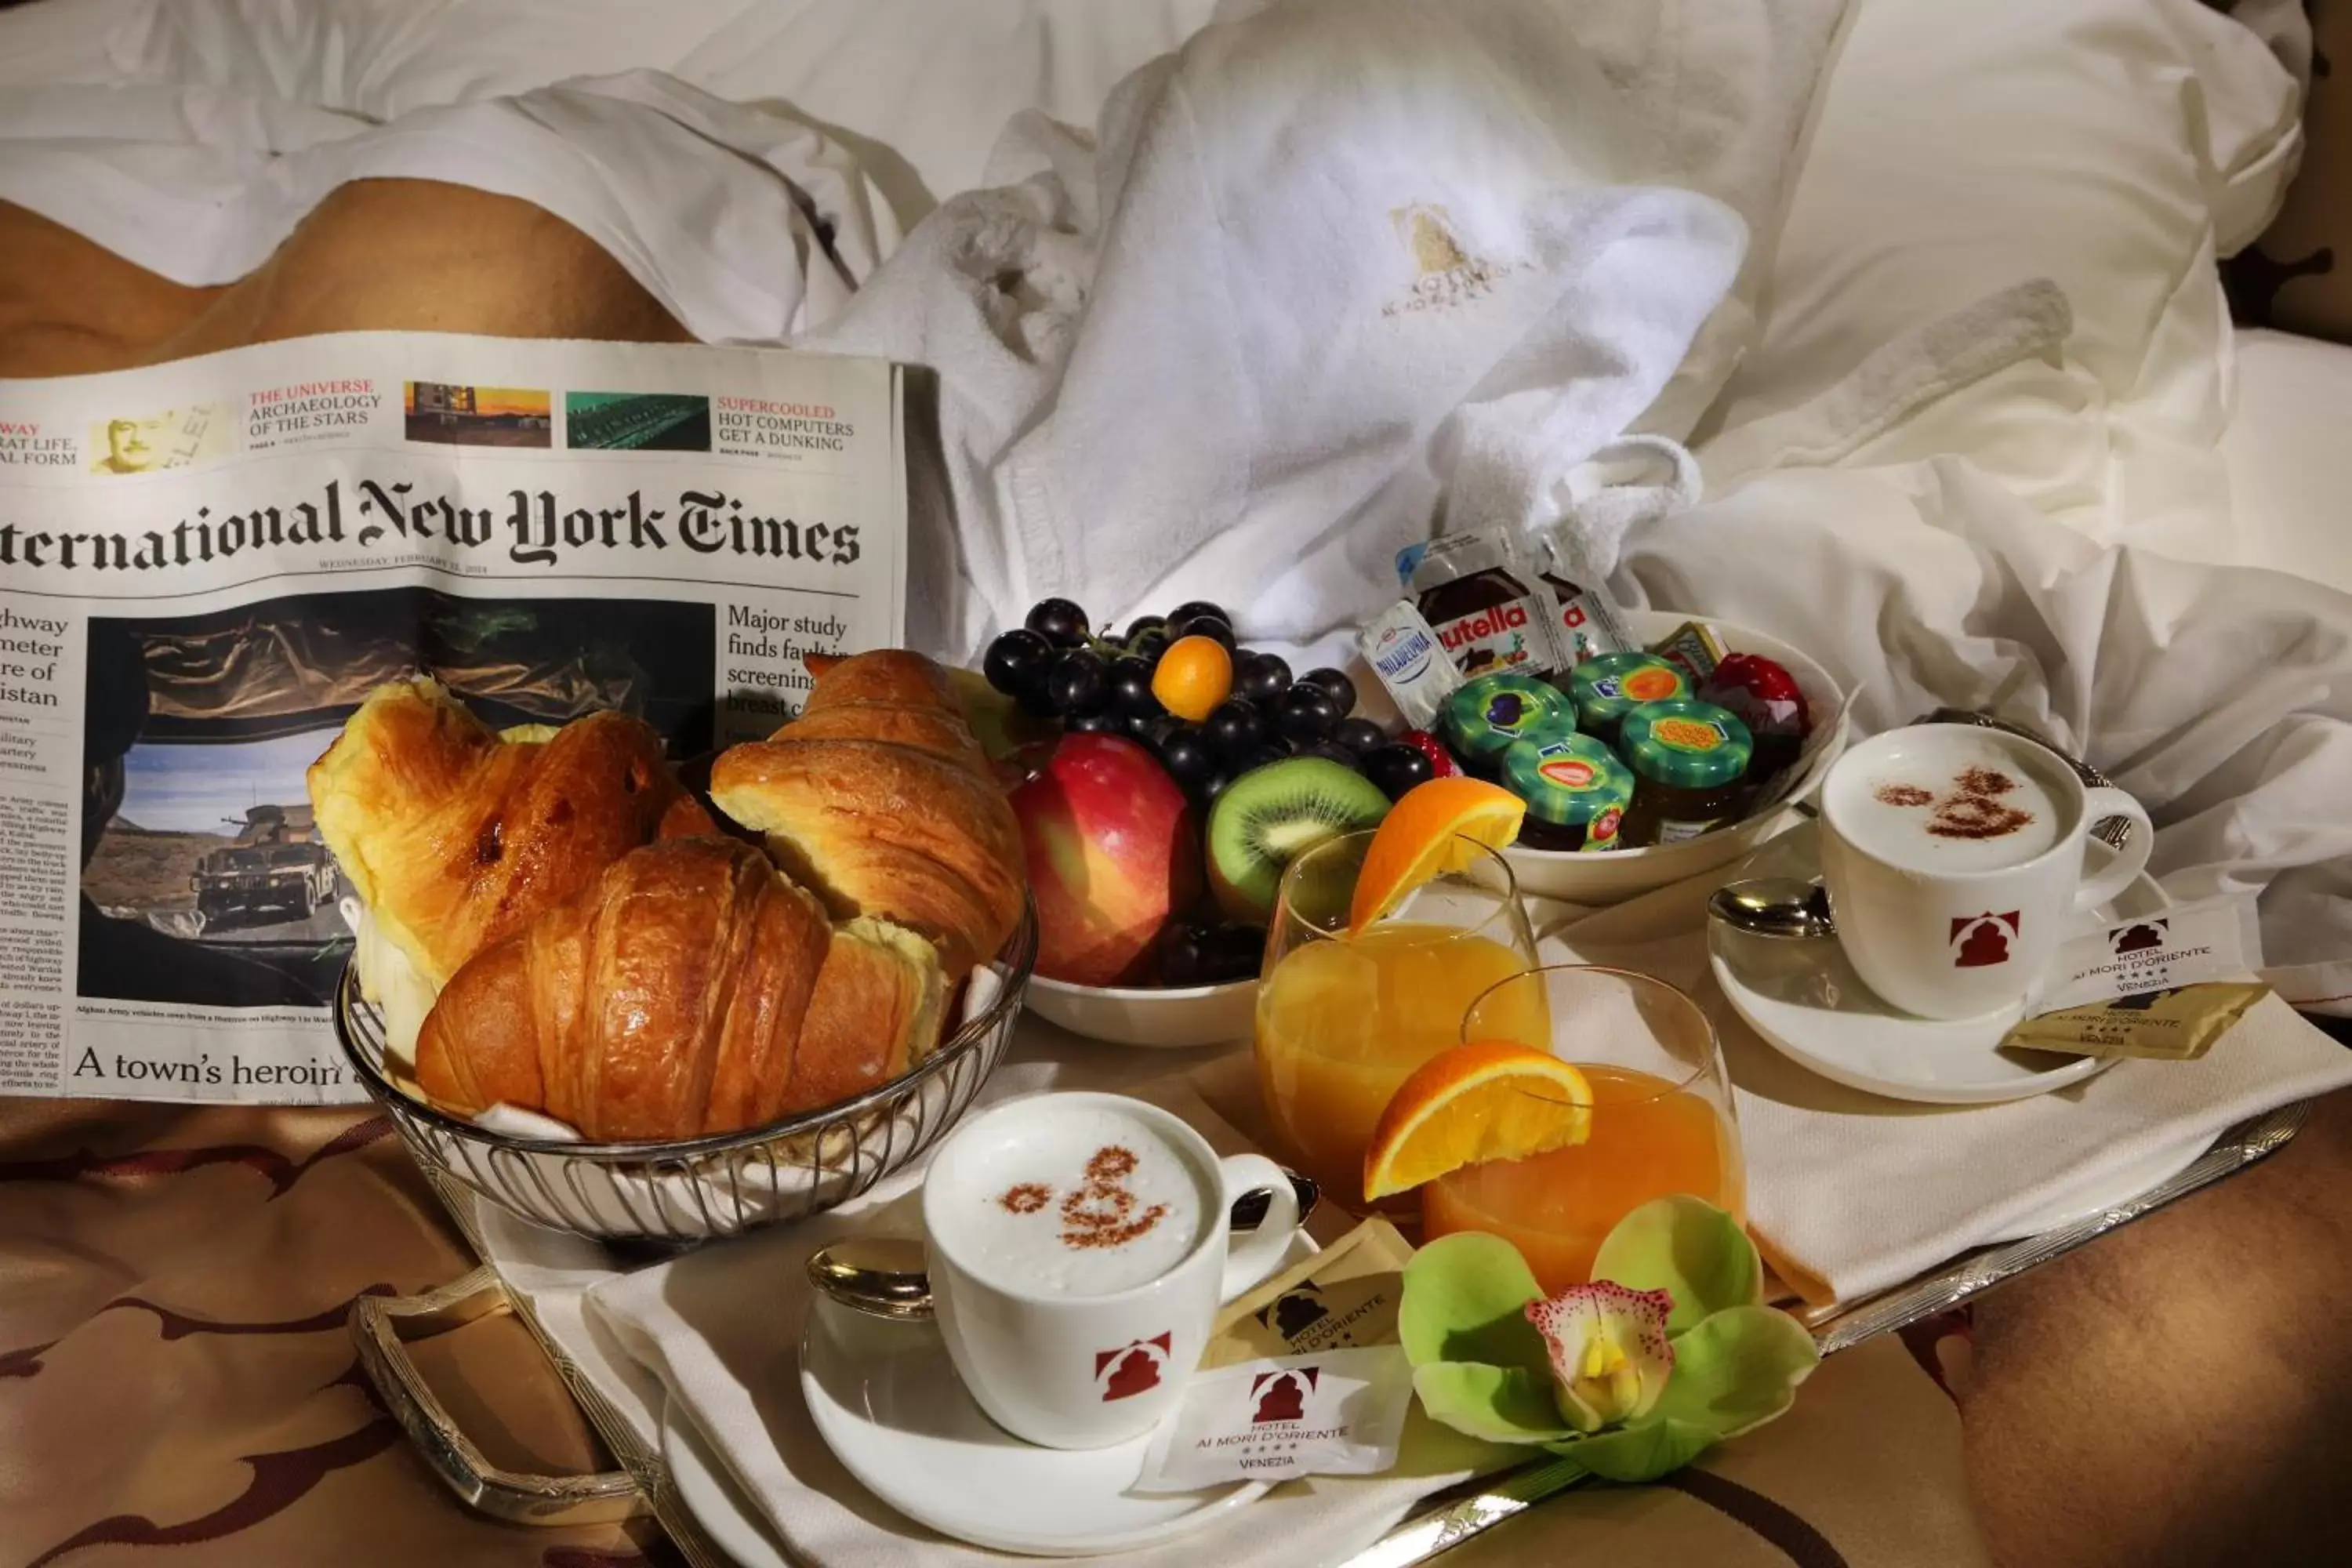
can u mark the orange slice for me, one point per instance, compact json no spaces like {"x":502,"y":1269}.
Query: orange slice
{"x":1495,"y":1099}
{"x":1420,"y":837}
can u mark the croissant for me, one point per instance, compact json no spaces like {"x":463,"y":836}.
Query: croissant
{"x":879,"y":800}
{"x":454,"y":837}
{"x":689,"y":989}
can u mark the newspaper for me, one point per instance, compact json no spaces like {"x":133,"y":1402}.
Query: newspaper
{"x":206,"y":565}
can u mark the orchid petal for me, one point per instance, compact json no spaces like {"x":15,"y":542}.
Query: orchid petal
{"x":1610,"y":1355}
{"x":1688,"y":1249}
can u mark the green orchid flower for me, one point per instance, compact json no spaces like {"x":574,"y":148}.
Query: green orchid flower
{"x":1668,"y":1352}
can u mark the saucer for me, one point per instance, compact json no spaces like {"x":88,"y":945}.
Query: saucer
{"x":887,"y":1401}
{"x":1804,"y":999}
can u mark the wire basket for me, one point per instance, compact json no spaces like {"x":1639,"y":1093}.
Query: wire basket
{"x":700,"y":1188}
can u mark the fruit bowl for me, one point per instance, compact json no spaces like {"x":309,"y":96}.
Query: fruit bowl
{"x":1160,"y":1017}
{"x":1621,"y":874}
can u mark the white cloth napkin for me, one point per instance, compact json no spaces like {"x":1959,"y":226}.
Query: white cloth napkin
{"x":1850,"y":1192}
{"x":720,"y":1328}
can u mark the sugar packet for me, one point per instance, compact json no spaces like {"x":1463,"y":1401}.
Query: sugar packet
{"x":1302,"y":1376}
{"x":2162,"y":986}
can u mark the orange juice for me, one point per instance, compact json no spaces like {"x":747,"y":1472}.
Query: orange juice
{"x":1342,"y":1023}
{"x":1649,"y":1140}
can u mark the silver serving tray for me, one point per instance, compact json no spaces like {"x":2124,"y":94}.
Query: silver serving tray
{"x":1450,"y":1516}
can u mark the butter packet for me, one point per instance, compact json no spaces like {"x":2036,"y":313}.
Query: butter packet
{"x":2162,"y":986}
{"x":1695,"y":648}
{"x":1303,"y":1377}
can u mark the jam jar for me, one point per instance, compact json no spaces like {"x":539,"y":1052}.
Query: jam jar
{"x":1486,"y":715}
{"x":1690,"y":770}
{"x":1576,"y":791}
{"x":1608,"y":686}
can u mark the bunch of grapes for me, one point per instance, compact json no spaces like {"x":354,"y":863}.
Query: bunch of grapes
{"x":1251,"y":711}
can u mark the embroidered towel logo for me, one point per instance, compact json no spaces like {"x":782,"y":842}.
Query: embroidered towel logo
{"x":1444,"y":274}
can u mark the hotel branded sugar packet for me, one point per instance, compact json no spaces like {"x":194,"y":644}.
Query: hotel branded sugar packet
{"x":1303,"y":1377}
{"x":2163,"y":987}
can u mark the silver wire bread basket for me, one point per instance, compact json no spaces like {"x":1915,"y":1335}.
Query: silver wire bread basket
{"x":701,"y":1188}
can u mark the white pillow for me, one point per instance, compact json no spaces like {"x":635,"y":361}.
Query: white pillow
{"x":2112,"y":146}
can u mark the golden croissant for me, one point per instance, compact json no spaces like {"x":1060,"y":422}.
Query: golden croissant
{"x":690,"y":989}
{"x":879,"y":800}
{"x":454,"y":837}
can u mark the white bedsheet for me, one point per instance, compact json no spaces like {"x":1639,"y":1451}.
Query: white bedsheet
{"x":2290,"y":466}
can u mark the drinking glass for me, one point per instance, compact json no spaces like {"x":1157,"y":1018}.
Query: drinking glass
{"x":1661,"y":1119}
{"x":1342,"y":1021}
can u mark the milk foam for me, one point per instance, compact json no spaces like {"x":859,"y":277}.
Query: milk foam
{"x":1948,"y":804}
{"x":1078,"y":1202}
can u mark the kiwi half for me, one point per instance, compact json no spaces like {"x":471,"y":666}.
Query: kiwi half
{"x":1271,"y":813}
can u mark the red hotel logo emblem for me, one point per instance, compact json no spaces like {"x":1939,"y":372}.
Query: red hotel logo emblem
{"x":1282,"y":1395}
{"x":1979,"y":941}
{"x":1132,"y":1369}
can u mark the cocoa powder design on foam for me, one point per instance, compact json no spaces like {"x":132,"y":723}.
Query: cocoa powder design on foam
{"x":1973,"y":810}
{"x":1100,"y":1212}
{"x":1026,"y":1197}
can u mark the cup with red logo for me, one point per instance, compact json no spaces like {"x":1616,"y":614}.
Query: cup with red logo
{"x":1955,"y":861}
{"x":1079,"y":1246}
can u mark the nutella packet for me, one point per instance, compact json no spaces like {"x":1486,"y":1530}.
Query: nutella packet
{"x":1489,"y":610}
{"x":1303,"y":1377}
{"x":1411,"y":668}
{"x":1695,"y":648}
{"x":1590,"y":624}
{"x":2163,"y":987}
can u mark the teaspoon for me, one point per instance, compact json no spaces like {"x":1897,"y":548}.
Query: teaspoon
{"x":1774,"y":906}
{"x":883,"y":1276}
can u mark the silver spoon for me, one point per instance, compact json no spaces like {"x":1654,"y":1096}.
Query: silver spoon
{"x":1774,"y":906}
{"x":883,"y":1276}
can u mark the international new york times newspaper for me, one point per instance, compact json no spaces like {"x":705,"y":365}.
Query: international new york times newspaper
{"x":206,"y":565}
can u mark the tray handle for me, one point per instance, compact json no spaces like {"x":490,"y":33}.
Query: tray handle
{"x":382,"y":1324}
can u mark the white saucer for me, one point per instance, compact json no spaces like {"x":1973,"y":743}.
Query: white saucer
{"x":888,"y":1404}
{"x":1806,"y":1000}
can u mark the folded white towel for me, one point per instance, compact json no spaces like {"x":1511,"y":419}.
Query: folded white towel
{"x":1328,"y":261}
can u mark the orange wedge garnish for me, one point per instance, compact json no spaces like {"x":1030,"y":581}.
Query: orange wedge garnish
{"x":1495,"y":1099}
{"x":1421,"y":837}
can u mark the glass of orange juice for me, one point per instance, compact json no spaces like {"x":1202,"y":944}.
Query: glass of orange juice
{"x":1662,"y":1118}
{"x":1343,"y":1020}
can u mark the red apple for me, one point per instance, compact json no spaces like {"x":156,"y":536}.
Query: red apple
{"x":1113,"y":851}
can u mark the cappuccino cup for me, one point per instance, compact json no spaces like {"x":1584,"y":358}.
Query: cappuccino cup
{"x":1953,"y":855}
{"x":1079,"y":1246}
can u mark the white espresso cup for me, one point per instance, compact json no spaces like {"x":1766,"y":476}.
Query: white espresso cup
{"x":1953,"y":855}
{"x":1079,"y":1246}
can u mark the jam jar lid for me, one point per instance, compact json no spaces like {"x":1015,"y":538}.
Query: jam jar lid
{"x":1567,"y":780}
{"x":1685,"y":745}
{"x":1490,"y":711}
{"x":1606,"y":685}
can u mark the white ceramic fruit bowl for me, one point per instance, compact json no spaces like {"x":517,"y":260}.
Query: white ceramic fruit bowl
{"x":1617,"y":875}
{"x":1162,"y":1017}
